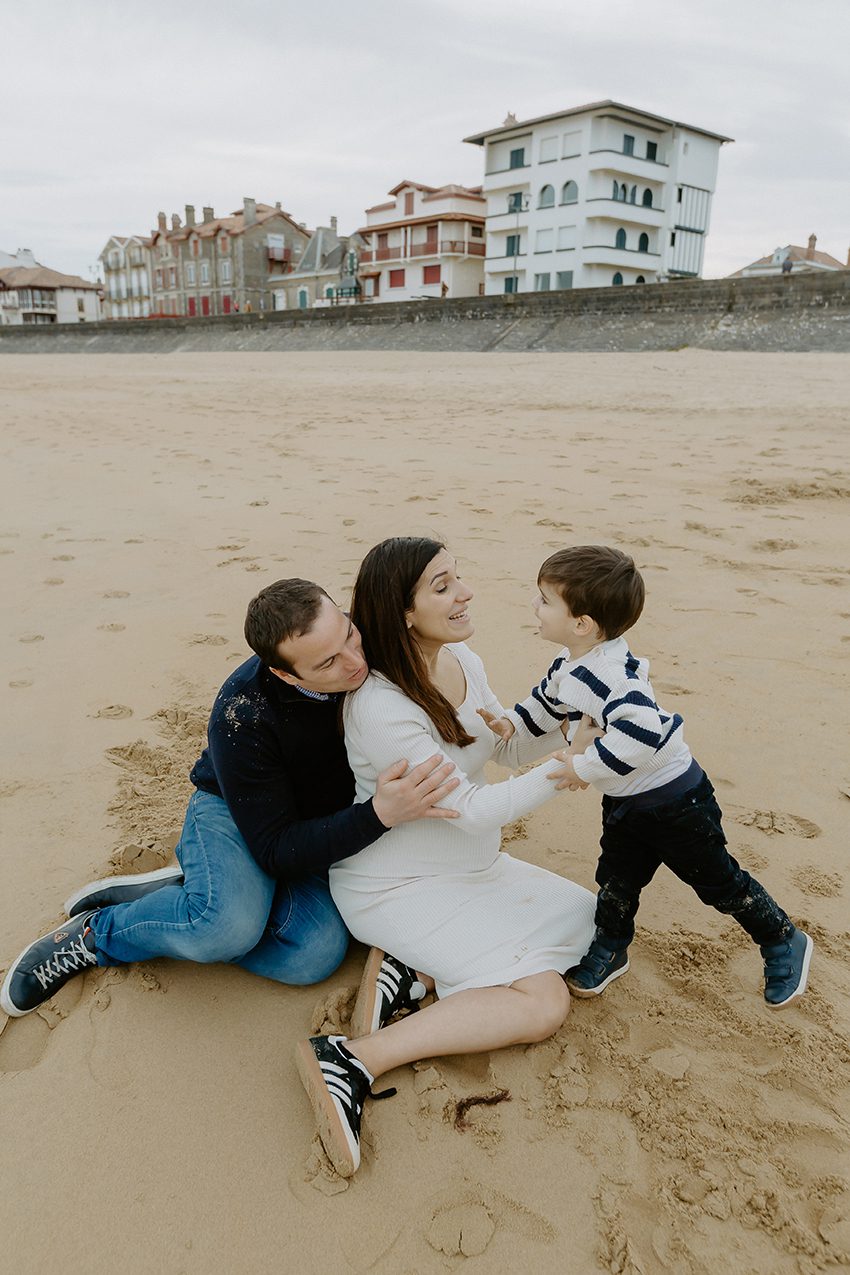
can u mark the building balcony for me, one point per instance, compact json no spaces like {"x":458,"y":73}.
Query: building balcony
{"x":430,"y":248}
{"x":279,"y":254}
{"x":606,"y":209}
{"x":608,"y":255}
{"x":629,"y":165}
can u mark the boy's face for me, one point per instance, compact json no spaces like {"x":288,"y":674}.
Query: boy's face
{"x":557,"y":623}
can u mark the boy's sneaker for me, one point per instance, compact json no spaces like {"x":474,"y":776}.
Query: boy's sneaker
{"x":112,"y":890}
{"x":46,"y":965}
{"x":337,"y":1084}
{"x":786,"y":968}
{"x":387,"y":988}
{"x":599,"y":966}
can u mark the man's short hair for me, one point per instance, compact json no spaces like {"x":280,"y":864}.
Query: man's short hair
{"x":597,"y":581}
{"x":283,"y":610}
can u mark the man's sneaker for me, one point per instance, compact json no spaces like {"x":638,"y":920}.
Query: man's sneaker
{"x":46,"y":965}
{"x":337,"y":1084}
{"x":387,"y":988}
{"x":599,"y":966}
{"x":786,"y":968}
{"x":112,"y":890}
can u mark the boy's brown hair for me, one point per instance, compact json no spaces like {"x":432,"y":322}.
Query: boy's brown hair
{"x":597,"y":581}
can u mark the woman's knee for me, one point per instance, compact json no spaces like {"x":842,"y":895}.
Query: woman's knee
{"x":551,"y":1005}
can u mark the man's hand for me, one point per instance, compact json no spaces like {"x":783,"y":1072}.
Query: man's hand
{"x":566,"y":777}
{"x":500,"y":726}
{"x":404,"y":795}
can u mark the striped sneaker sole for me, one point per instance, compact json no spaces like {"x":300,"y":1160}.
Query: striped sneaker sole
{"x":326,"y":1090}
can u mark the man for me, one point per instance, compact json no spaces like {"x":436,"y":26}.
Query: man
{"x":271,"y":811}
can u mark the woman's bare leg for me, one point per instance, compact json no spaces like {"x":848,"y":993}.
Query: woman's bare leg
{"x":469,"y":1023}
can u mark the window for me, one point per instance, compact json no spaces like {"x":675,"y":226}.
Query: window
{"x":476,"y":232}
{"x":547,"y":197}
{"x":566,"y":237}
{"x":564,"y":279}
{"x":226,"y":272}
{"x":542,"y":282}
{"x":303,"y":299}
{"x":518,"y":158}
{"x":569,"y":193}
{"x":633,"y":195}
{"x":515,"y":199}
{"x":571,"y":145}
{"x":190,"y":273}
{"x":548,"y":149}
{"x":628,"y":147}
{"x":640,"y":279}
{"x":643,"y":243}
{"x":157,"y":278}
{"x":81,"y":305}
{"x":651,"y":150}
{"x":408,"y":203}
{"x":511,"y":283}
{"x":329,"y":292}
{"x":617,"y":280}
{"x":396,"y":278}
{"x":512,"y":246}
{"x":205,"y":272}
{"x":679,"y":195}
{"x":430,"y":274}
{"x":623,"y":193}
{"x":647,"y":198}
{"x":172,"y":277}
{"x":672,"y":239}
{"x":620,"y":238}
{"x":544,"y":241}
{"x":223,"y":244}
{"x":196,"y":247}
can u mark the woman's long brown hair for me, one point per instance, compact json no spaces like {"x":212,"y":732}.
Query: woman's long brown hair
{"x":383,"y":593}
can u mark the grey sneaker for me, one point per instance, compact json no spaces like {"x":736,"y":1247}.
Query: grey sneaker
{"x":786,"y":968}
{"x":111,"y":890}
{"x":46,"y":965}
{"x":599,"y":966}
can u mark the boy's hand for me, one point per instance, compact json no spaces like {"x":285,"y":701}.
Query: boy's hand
{"x":586,"y":734}
{"x":404,"y":795}
{"x":566,"y":777}
{"x":500,"y":726}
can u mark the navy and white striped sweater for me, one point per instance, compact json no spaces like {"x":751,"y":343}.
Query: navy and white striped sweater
{"x":643,"y":747}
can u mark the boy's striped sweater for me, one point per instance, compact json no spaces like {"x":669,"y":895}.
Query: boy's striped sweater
{"x":643,"y":747}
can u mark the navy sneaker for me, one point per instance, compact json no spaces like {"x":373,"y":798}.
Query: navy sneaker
{"x":46,"y":965}
{"x":388,"y":987}
{"x":786,"y":968}
{"x":112,"y":890}
{"x":337,"y":1085}
{"x":599,"y":966}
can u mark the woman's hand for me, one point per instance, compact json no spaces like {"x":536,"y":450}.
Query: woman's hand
{"x":586,"y":734}
{"x":403,"y":795}
{"x":566,"y":777}
{"x":500,"y":726}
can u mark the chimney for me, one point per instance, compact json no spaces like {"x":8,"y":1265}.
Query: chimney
{"x":175,"y":221}
{"x":209,"y":215}
{"x":848,"y":258}
{"x":333,"y":224}
{"x":190,"y":214}
{"x":160,"y":221}
{"x":249,"y":212}
{"x":277,"y":205}
{"x":810,"y":251}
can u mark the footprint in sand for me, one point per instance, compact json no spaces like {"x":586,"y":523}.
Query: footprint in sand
{"x":54,"y":580}
{"x":23,"y":1041}
{"x":63,"y":557}
{"x":774,"y":822}
{"x":114,"y":710}
{"x":32,"y":637}
{"x":207,"y":639}
{"x":115,"y":593}
{"x":111,"y":628}
{"x":465,"y":1217}
{"x":19,"y":682}
{"x":814,"y":881}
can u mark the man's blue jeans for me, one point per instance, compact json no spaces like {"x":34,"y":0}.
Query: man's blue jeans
{"x":227,"y":909}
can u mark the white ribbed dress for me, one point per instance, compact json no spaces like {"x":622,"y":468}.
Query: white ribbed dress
{"x":438,"y":893}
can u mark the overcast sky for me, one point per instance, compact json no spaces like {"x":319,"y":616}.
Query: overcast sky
{"x":111,"y":111}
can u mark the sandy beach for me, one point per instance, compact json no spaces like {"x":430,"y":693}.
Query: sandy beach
{"x":152,"y":1117}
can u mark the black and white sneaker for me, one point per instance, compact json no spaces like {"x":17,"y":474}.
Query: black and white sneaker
{"x":46,"y":965}
{"x":337,"y":1084}
{"x":112,"y":890}
{"x":388,"y":987}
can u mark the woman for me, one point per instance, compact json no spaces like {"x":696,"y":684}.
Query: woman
{"x":490,"y":934}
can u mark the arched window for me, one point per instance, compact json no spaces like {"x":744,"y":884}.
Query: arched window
{"x":616,"y":192}
{"x":547,"y":197}
{"x":617,"y":280}
{"x":623,"y":193}
{"x":302,"y":298}
{"x":569,"y":193}
{"x":640,"y":279}
{"x":620,"y":240}
{"x":633,"y":195}
{"x":643,"y":243}
{"x":329,"y":292}
{"x":647,"y":198}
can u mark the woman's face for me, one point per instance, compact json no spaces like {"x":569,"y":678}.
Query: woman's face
{"x":439,"y":612}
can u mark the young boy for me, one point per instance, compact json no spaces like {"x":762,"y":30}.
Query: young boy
{"x":658,"y":805}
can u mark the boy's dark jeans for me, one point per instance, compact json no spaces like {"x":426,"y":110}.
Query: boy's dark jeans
{"x":686,"y":835}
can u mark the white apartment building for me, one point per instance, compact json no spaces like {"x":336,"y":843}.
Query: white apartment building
{"x":427,"y":242}
{"x":598,"y":195}
{"x":126,"y":263}
{"x":39,"y":295}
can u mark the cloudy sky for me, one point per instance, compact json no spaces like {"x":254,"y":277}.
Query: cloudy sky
{"x":110,"y":112}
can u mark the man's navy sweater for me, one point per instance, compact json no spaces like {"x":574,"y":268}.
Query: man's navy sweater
{"x":277,"y":757}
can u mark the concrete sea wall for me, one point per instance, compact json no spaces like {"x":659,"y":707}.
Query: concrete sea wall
{"x":793,"y":313}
